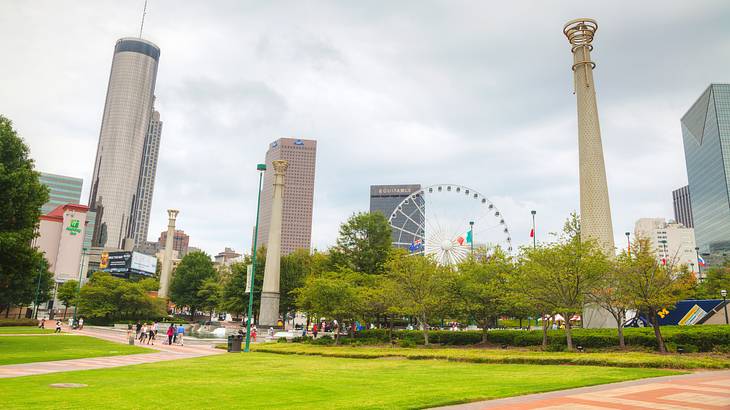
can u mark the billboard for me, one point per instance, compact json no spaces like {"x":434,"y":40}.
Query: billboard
{"x":143,"y":264}
{"x":123,"y":263}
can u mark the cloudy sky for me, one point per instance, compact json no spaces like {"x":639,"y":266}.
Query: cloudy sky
{"x":469,"y":92}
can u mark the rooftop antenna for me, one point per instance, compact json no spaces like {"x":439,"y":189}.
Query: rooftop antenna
{"x":144,"y":13}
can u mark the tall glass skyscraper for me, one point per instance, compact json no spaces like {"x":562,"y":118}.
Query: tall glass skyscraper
{"x":62,"y":190}
{"x":706,"y":135}
{"x":116,"y":182}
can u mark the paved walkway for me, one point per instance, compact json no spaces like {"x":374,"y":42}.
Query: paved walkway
{"x":704,"y":390}
{"x":164,"y":353}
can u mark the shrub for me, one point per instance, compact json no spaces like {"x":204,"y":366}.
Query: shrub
{"x":407,"y":343}
{"x":19,"y":322}
{"x":324,"y":340}
{"x":281,"y":340}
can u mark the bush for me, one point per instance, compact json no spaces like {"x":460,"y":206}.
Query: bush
{"x":324,"y":340}
{"x":19,"y":322}
{"x":407,"y":343}
{"x":281,"y":340}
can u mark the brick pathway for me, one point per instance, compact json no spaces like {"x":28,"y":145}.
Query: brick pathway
{"x":164,"y":353}
{"x":704,"y":390}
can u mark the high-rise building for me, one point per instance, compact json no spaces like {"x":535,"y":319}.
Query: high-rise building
{"x":180,"y":241}
{"x":706,"y":136}
{"x":298,"y":193}
{"x":62,"y":190}
{"x":125,"y":126}
{"x":672,"y":242}
{"x":227,"y":257}
{"x":682,"y":206}
{"x":385,"y":199}
{"x":147,"y":180}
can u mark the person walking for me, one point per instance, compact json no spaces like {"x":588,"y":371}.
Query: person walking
{"x":151,"y":335}
{"x":138,"y":328}
{"x":143,"y":333}
{"x":253,"y":333}
{"x":155,"y":327}
{"x":180,"y":333}
{"x":58,"y":327}
{"x":170,"y":333}
{"x":314,"y":330}
{"x":81,"y":323}
{"x":42,"y":325}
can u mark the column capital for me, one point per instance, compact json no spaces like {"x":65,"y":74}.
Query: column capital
{"x":280,"y":166}
{"x":172,"y":213}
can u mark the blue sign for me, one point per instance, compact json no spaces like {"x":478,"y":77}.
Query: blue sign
{"x":298,"y":142}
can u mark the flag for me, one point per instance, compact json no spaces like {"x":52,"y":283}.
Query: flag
{"x":700,"y":261}
{"x":460,"y":239}
{"x":416,"y":245}
{"x":532,"y":233}
{"x":469,"y":237}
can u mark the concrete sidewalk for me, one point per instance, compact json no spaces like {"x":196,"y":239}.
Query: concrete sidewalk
{"x":704,"y":390}
{"x":164,"y":353}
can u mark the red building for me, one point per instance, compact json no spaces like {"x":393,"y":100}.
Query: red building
{"x":180,"y":242}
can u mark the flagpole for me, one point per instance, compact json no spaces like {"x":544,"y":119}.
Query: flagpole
{"x":471,"y":234}
{"x":534,"y":232}
{"x":699,"y":265}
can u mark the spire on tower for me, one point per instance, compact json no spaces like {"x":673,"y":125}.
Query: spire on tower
{"x":144,"y":13}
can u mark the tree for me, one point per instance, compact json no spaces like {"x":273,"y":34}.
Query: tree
{"x":422,"y":288}
{"x":21,"y":198}
{"x":558,"y":276}
{"x":716,"y":279}
{"x":334,"y":295}
{"x":210,"y":295}
{"x":189,"y":276}
{"x":482,"y":286}
{"x":611,"y":292}
{"x":234,"y":300}
{"x":67,"y":293}
{"x":106,"y":298}
{"x":651,"y":286}
{"x":364,"y":243}
{"x":294,"y":268}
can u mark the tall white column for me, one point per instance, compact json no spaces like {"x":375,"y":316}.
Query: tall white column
{"x":269,"y":314}
{"x":595,"y":210}
{"x":167,"y":262}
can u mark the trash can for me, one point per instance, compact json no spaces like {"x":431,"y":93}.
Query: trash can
{"x":234,"y":343}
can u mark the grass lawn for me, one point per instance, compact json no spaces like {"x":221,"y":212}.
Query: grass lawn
{"x":23,"y":330}
{"x":512,"y":355}
{"x":264,"y":380}
{"x":27,"y":349}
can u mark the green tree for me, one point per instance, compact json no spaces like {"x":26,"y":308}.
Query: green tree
{"x":422,"y":288}
{"x":482,"y":286}
{"x":21,"y":198}
{"x":610,"y":292}
{"x":294,"y":268}
{"x":716,"y":279}
{"x":559,"y":275}
{"x":364,"y":243}
{"x":106,"y":299}
{"x":194,"y":269}
{"x":67,"y":292}
{"x":651,"y":286}
{"x":210,"y":295}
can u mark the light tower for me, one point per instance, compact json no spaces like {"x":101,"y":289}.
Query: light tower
{"x":269,"y":314}
{"x":595,"y":210}
{"x":167,"y":262}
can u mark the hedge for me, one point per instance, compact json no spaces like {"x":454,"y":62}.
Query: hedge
{"x":18,"y":322}
{"x":703,"y":338}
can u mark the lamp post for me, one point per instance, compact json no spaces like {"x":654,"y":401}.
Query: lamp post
{"x":628,"y":243}
{"x":261,"y":168}
{"x":534,"y":232}
{"x":37,"y":291}
{"x":723,"y":293}
{"x":699,"y":265}
{"x":471,"y":236}
{"x":78,"y":290}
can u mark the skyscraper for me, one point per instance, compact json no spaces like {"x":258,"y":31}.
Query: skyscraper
{"x":125,"y":125}
{"x":682,"y":206}
{"x":673,"y":243}
{"x":147,"y":180}
{"x":595,"y":210}
{"x":180,"y":242}
{"x":706,"y":136}
{"x":298,"y":193}
{"x":62,"y":190}
{"x":385,"y":199}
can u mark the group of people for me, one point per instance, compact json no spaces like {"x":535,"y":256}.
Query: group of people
{"x":79,"y":324}
{"x":147,"y":332}
{"x":175,"y":334}
{"x":325,"y":327}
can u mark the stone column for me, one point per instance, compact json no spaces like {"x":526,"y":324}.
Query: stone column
{"x":269,"y":314}
{"x":595,"y":210}
{"x":167,"y":261}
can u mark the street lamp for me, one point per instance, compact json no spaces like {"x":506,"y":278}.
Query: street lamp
{"x":78,"y":290}
{"x":38,"y":290}
{"x":628,"y":243}
{"x":723,"y":293}
{"x":534,"y":234}
{"x":261,"y":168}
{"x":471,"y":236}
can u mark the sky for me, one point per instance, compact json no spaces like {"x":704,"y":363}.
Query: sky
{"x":473,"y":93}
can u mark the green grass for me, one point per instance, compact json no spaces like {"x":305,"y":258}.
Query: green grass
{"x":23,"y":330}
{"x":257,"y":380}
{"x":614,"y":359}
{"x":28,"y":349}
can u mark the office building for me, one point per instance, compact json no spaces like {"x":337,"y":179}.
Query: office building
{"x":672,"y":242}
{"x":706,"y":137}
{"x":180,"y":242}
{"x":125,"y":126}
{"x":227,"y":257}
{"x":62,"y":190}
{"x":147,"y":180}
{"x":407,"y":220}
{"x":682,"y":206}
{"x":298,"y":194}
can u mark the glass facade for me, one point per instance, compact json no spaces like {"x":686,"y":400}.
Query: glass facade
{"x":62,"y":190}
{"x":386,"y":198}
{"x":706,"y":136}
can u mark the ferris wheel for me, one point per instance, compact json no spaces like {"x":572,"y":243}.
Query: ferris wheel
{"x":448,"y":222}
